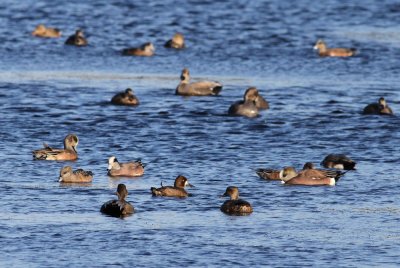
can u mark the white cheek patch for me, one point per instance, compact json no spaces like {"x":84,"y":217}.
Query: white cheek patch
{"x":109,"y":166}
{"x":338,"y":166}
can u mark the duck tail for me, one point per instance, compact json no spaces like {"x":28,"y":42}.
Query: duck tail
{"x":349,"y":165}
{"x":155,"y":191}
{"x":216,"y":90}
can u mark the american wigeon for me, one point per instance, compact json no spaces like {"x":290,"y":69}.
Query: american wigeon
{"x":201,"y":88}
{"x":173,"y":191}
{"x":120,"y":207}
{"x":235,"y":206}
{"x":250,"y":105}
{"x":79,"y":175}
{"x":274,"y":174}
{"x":289,"y":175}
{"x":177,"y":42}
{"x":77,"y":39}
{"x":43,"y":31}
{"x":145,"y":50}
{"x":338,"y":161}
{"x":68,"y":153}
{"x":129,"y":169}
{"x":324,"y":51}
{"x":381,"y":108}
{"x":125,"y":98}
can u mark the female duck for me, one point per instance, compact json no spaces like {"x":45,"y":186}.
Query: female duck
{"x":125,"y":98}
{"x":310,"y":176}
{"x":43,"y":31}
{"x":201,"y":88}
{"x":173,"y":191}
{"x":146,"y":50}
{"x":380,"y":108}
{"x":250,"y":105}
{"x":235,"y":206}
{"x":68,"y":153}
{"x":129,"y":169}
{"x":177,"y":42}
{"x":338,"y":161}
{"x":120,"y":207}
{"x":324,"y":51}
{"x":77,"y":176}
{"x":77,"y":39}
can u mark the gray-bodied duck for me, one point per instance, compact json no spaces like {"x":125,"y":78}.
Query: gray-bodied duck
{"x":201,"y":88}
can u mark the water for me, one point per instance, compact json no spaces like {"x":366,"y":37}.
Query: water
{"x":48,"y":90}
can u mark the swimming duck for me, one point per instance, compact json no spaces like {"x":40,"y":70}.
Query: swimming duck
{"x":274,"y":174}
{"x":235,"y":206}
{"x":338,"y":161}
{"x":145,"y":50}
{"x":310,"y":176}
{"x":201,"y":88}
{"x":381,"y":107}
{"x":250,"y":105}
{"x":173,"y":191}
{"x":120,"y":207}
{"x":324,"y":51}
{"x":77,"y":39}
{"x":42,"y":31}
{"x":177,"y":42}
{"x":68,"y":153}
{"x":125,"y":98}
{"x":129,"y":169}
{"x":79,"y":175}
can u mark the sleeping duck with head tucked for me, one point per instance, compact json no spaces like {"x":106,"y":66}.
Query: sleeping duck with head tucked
{"x":68,"y":153}
{"x":235,"y":206}
{"x":120,"y":207}
{"x":178,"y":190}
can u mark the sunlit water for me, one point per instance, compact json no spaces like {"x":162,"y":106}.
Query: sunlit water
{"x":48,"y":90}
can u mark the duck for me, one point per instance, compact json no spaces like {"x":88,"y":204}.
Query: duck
{"x":79,"y":175}
{"x":173,"y":191}
{"x":67,"y":154}
{"x":120,"y":207}
{"x":177,"y":42}
{"x":129,"y":169}
{"x":309,"y":177}
{"x":145,"y":50}
{"x":338,"y":161}
{"x":125,"y":98}
{"x":46,"y":32}
{"x":235,"y":206}
{"x":201,"y":88}
{"x":77,"y":39}
{"x":380,"y":108}
{"x":274,"y":174}
{"x":250,"y":105}
{"x":324,"y":51}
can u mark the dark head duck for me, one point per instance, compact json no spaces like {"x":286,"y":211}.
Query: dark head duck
{"x":120,"y":207}
{"x":173,"y":191}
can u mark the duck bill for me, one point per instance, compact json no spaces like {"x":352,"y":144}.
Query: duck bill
{"x":315,"y":48}
{"x":73,"y":148}
{"x":60,"y":179}
{"x":190,"y":185}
